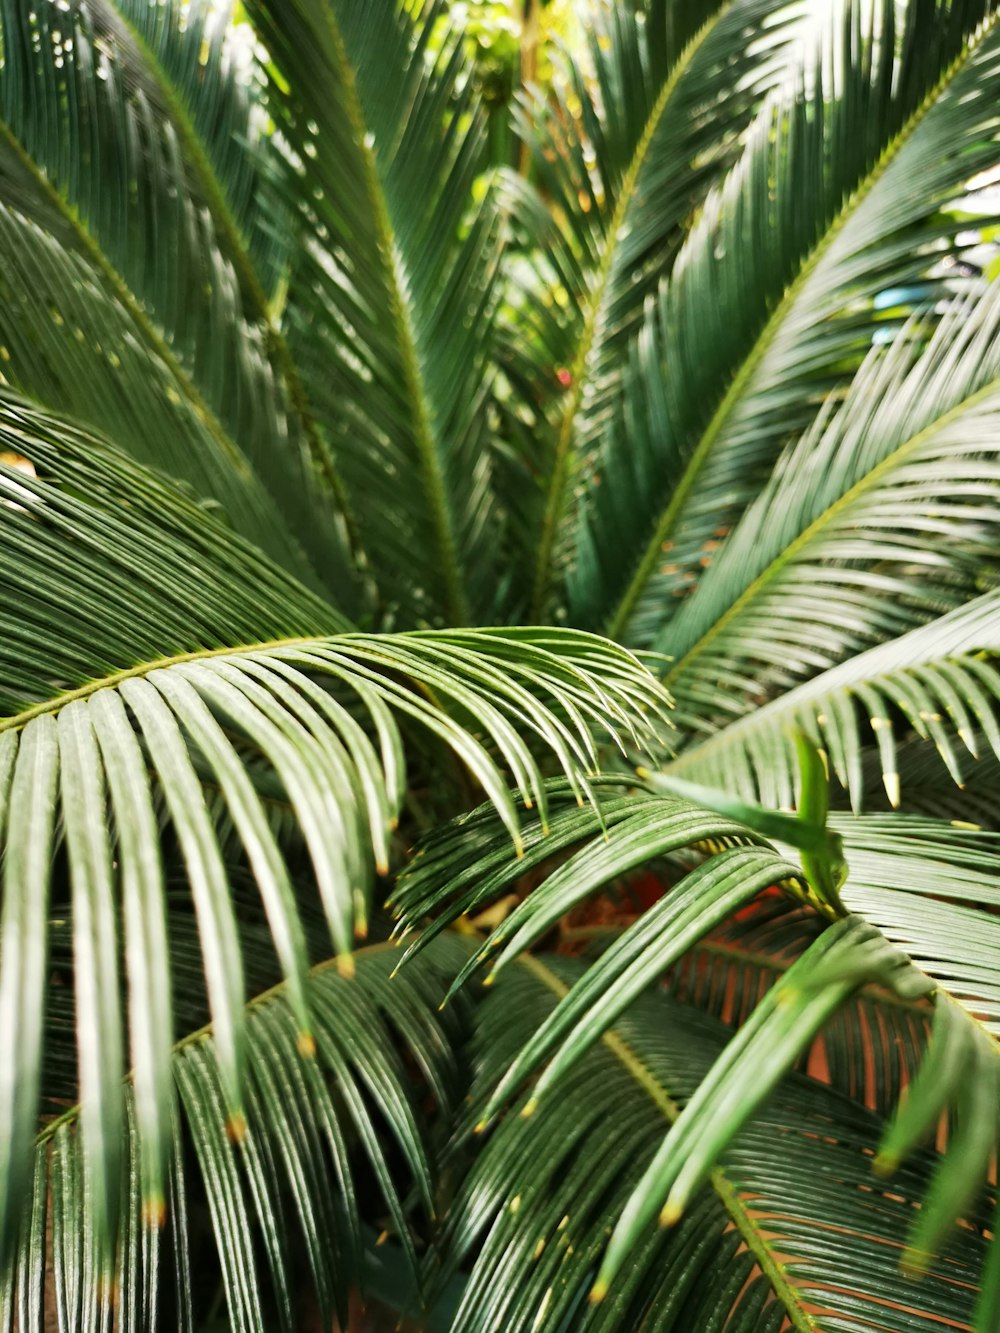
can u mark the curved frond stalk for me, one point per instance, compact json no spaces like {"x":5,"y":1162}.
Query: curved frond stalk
{"x":541,"y":1193}
{"x":862,"y":161}
{"x":939,"y":680}
{"x":153,"y":216}
{"x":172,"y":654}
{"x":282,"y":1195}
{"x":659,"y":119}
{"x":869,"y":1050}
{"x":847,"y":955}
{"x":889,"y":506}
{"x":390,"y":309}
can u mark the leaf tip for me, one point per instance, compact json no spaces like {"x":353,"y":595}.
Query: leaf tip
{"x":598,"y":1291}
{"x":914,"y":1263}
{"x":529,"y":1108}
{"x":884,"y":1164}
{"x":236,"y":1127}
{"x":154,"y":1211}
{"x":671,"y":1213}
{"x":306,"y":1044}
{"x":346,"y":966}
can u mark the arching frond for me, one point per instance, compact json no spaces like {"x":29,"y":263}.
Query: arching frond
{"x":938,"y":681}
{"x":145,"y":651}
{"x":890,"y":508}
{"x":535,"y":1207}
{"x":282,"y":1193}
{"x":134,"y":302}
{"x":390,"y":307}
{"x":917,"y":888}
{"x":623,"y":149}
{"x":837,"y":200}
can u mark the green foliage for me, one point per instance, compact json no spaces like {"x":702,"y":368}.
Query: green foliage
{"x":361,"y":362}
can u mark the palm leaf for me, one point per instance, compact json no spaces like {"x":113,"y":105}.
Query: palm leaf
{"x":390,"y":307}
{"x":921,"y":471}
{"x":169,"y":653}
{"x":142,"y":259}
{"x":916,"y":886}
{"x":863,"y":158}
{"x":287,"y":1185}
{"x":541,"y":1193}
{"x":623,"y":150}
{"x":937,"y":681}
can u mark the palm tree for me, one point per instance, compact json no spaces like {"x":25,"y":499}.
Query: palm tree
{"x":364,"y":506}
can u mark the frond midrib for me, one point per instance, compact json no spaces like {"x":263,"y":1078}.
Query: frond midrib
{"x":829,"y":516}
{"x":442,"y":520}
{"x":727,"y":1193}
{"x":124,"y":294}
{"x":343,"y":964}
{"x":762,"y":717}
{"x":674,"y":508}
{"x":595,"y":308}
{"x":112,"y":681}
{"x":218,"y":205}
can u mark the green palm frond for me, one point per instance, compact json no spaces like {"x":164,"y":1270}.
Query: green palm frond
{"x":283,"y":1192}
{"x":391,"y":302}
{"x":917,"y":888}
{"x":889,"y":507}
{"x":133,"y":218}
{"x":938,"y":681}
{"x":837,"y":200}
{"x":869,"y":1049}
{"x":304,"y":401}
{"x":658,"y":110}
{"x":130,"y":680}
{"x":749,"y":1253}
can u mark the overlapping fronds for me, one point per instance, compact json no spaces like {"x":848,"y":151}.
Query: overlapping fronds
{"x":391,"y":302}
{"x":147,"y":652}
{"x":917,"y":888}
{"x":135,"y":207}
{"x":753,"y":1251}
{"x":833,"y":213}
{"x":622,"y":150}
{"x":284,"y":1193}
{"x":903,"y":527}
{"x":938,"y":681}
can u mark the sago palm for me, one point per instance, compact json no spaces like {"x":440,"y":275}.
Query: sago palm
{"x":583,"y":553}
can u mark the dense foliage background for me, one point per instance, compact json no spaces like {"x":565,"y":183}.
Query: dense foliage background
{"x":499,"y":698}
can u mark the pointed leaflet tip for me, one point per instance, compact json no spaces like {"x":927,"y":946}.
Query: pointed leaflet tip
{"x":914,"y":1263}
{"x":598,"y":1292}
{"x":236,"y":1126}
{"x":154,"y":1211}
{"x":529,"y":1108}
{"x":885,"y":1164}
{"x":891,"y":783}
{"x":671,"y":1214}
{"x":306,"y":1044}
{"x":346,"y":966}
